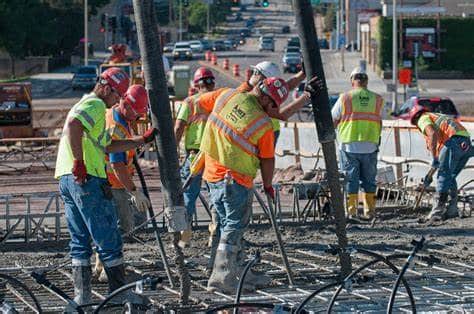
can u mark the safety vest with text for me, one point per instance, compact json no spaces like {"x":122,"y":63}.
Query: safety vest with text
{"x":117,"y":132}
{"x":233,"y":130}
{"x":196,"y":122}
{"x":446,"y":128}
{"x":361,"y":119}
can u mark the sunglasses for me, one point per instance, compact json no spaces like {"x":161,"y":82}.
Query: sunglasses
{"x":208,"y":80}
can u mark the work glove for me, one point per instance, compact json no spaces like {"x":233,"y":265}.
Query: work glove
{"x":314,"y":86}
{"x":435,"y":163}
{"x":427,"y":180}
{"x":140,"y":200}
{"x":269,"y":191}
{"x":79,"y":171}
{"x":149,"y":135}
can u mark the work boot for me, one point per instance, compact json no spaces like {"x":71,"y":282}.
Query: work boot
{"x":452,"y":210}
{"x":438,"y":211}
{"x":116,"y":279}
{"x":352,"y":204}
{"x":185,"y":237}
{"x":224,"y":274}
{"x":369,"y":205}
{"x":213,"y":243}
{"x":81,"y":275}
{"x":252,"y":279}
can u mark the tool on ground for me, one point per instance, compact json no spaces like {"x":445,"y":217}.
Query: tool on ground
{"x":271,"y":215}
{"x":426,"y":183}
{"x":161,"y":247}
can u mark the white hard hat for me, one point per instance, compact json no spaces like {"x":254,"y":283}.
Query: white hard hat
{"x":357,"y":70}
{"x":268,"y":69}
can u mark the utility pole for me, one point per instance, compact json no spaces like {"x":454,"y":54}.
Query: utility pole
{"x":180,"y":20}
{"x":172,"y":191}
{"x":86,"y":31}
{"x":343,"y":31}
{"x":208,"y":18}
{"x":324,"y":125}
{"x":338,"y":25}
{"x":396,"y":133}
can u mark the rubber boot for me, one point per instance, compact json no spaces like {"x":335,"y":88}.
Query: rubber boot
{"x":82,"y":275}
{"x":352,"y":204}
{"x":369,"y":205}
{"x":213,"y":243}
{"x":438,"y":211}
{"x":252,"y":279}
{"x":116,"y":279}
{"x":224,"y":274}
{"x":452,"y":210}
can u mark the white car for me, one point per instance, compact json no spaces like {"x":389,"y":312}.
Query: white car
{"x":182,"y":50}
{"x":196,"y":46}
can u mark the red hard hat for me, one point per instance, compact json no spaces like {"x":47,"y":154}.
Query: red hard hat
{"x":137,"y":97}
{"x":202,"y":73}
{"x":117,"y":79}
{"x":276,"y":88}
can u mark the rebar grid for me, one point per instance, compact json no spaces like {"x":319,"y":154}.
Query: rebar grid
{"x":447,"y":286}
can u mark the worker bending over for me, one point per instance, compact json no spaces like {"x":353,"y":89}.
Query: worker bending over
{"x":450,"y":146}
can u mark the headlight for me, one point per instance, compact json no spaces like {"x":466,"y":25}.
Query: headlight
{"x":188,"y":52}
{"x":176,"y":53}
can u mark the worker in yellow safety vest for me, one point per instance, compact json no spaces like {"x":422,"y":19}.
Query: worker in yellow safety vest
{"x":357,"y":115}
{"x":238,"y":140}
{"x":190,"y":122}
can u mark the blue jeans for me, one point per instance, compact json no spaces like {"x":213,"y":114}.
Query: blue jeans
{"x":359,"y":168}
{"x":191,"y":193}
{"x":91,"y":216}
{"x":452,"y":158}
{"x":230,"y":201}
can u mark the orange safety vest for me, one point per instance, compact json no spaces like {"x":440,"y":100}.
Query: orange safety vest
{"x":233,"y":130}
{"x":117,"y":131}
{"x":446,"y":128}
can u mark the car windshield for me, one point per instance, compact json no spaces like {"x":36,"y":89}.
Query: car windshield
{"x":182,"y":46}
{"x":267,"y":39}
{"x":86,"y":71}
{"x":195,"y":43}
{"x":293,"y":55}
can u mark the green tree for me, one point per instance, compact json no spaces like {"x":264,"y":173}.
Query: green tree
{"x":197,"y":17}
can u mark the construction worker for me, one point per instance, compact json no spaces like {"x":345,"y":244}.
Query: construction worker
{"x":450,"y":146}
{"x":80,"y":167}
{"x":357,"y":115}
{"x":130,"y":202}
{"x":190,"y":122}
{"x":237,"y":141}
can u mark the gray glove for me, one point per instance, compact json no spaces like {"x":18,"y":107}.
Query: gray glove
{"x":140,"y":200}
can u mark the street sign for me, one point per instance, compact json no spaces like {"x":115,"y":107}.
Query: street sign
{"x":407,"y":64}
{"x":404,"y":76}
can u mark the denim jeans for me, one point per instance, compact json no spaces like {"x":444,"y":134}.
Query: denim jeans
{"x":452,"y":158}
{"x":191,"y":193}
{"x":359,"y":169}
{"x":90,"y":217}
{"x":230,"y":201}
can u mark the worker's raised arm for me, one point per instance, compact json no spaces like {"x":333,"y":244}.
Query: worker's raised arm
{"x":295,"y":80}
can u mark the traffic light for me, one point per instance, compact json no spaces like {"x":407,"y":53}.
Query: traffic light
{"x":265,"y":3}
{"x":113,"y":23}
{"x":185,"y":3}
{"x":102,"y":20}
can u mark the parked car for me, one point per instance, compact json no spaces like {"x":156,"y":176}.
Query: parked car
{"x":196,"y":46}
{"x":84,"y":78}
{"x":168,"y":47}
{"x":238,"y":17}
{"x":234,"y":42}
{"x":182,"y":50}
{"x":218,"y":45}
{"x":266,"y":43}
{"x":292,"y":49}
{"x":285,"y":29}
{"x":245,"y":32}
{"x":250,"y":22}
{"x":294,"y":41}
{"x":206,"y":44}
{"x":435,"y":104}
{"x":242,"y":40}
{"x":228,"y":45}
{"x":243,"y":8}
{"x":291,"y":62}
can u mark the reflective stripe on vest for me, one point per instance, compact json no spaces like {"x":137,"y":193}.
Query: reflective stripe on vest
{"x":360,"y":123}
{"x":446,"y":128}
{"x":233,"y":130}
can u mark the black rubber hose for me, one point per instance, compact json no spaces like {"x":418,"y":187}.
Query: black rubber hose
{"x":315,"y":293}
{"x":418,"y":245}
{"x":24,"y":287}
{"x":249,"y":265}
{"x":378,"y":258}
{"x":257,"y":305}
{"x":123,"y":288}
